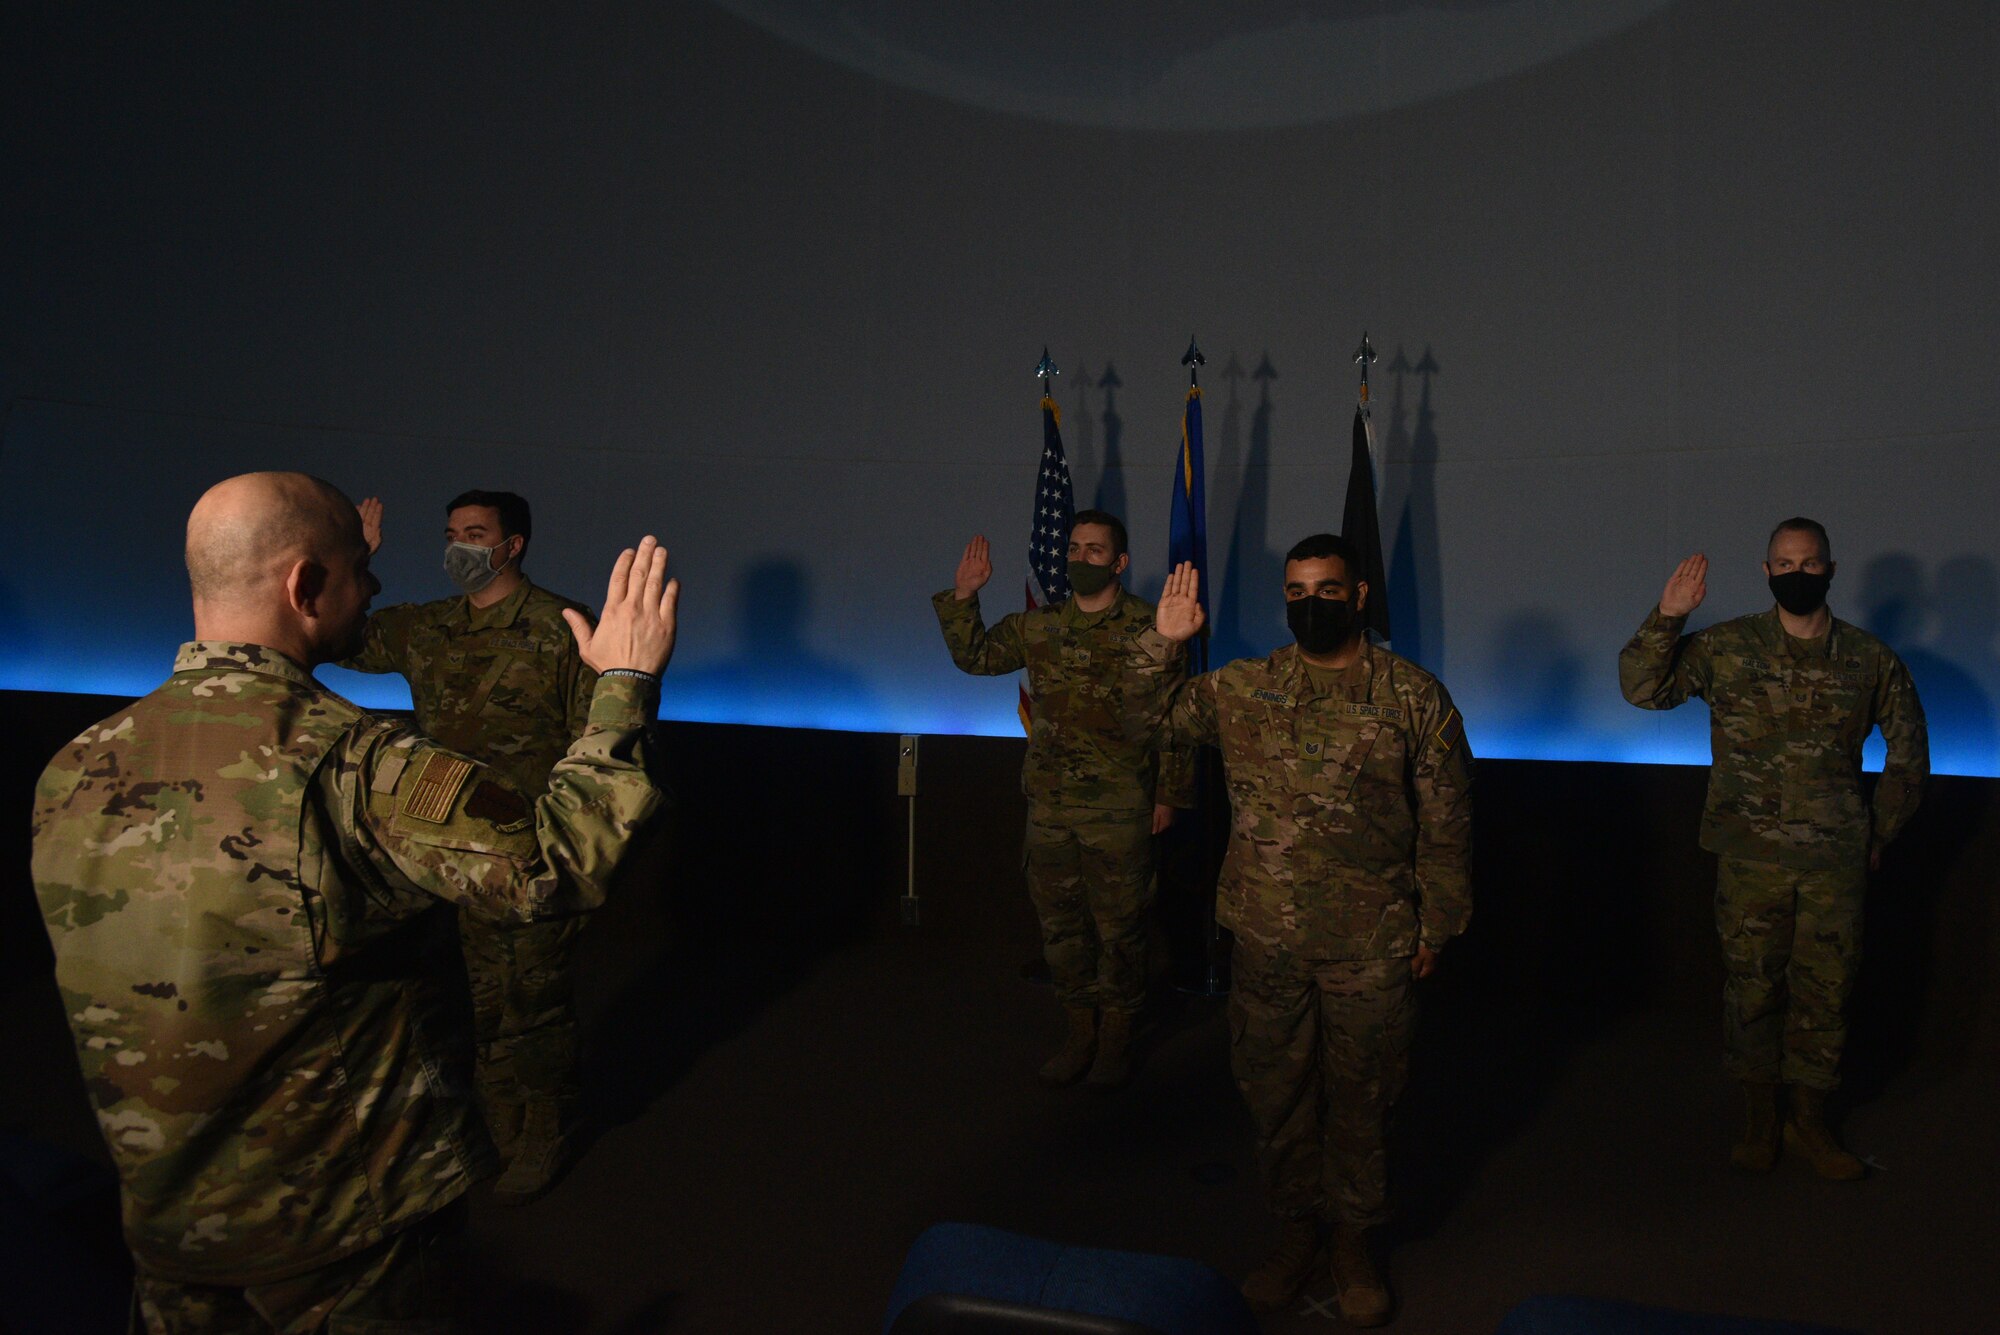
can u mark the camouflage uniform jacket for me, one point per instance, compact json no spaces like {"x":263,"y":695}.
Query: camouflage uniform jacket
{"x":503,"y":684}
{"x":248,"y":883}
{"x":1351,"y":810}
{"x":1787,"y":718}
{"x":1080,"y":752}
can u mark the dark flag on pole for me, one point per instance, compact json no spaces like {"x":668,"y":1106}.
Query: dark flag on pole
{"x":1187,"y":527}
{"x":1055,"y":509}
{"x":1359,"y":522}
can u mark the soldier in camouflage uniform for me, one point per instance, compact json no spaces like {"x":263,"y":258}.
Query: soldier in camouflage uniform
{"x":1347,"y":872}
{"x":1095,"y":797}
{"x":494,"y":673}
{"x":1792,"y":693}
{"x":249,"y":884}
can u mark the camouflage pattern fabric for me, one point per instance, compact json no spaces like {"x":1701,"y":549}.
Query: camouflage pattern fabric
{"x":1091,"y":788}
{"x":504,"y":685}
{"x":1320,"y":1049}
{"x":1079,"y":753}
{"x":1787,"y":718}
{"x":248,"y":881}
{"x":1791,"y":938}
{"x":1351,"y":807}
{"x":1090,"y":874}
{"x":404,"y":1284}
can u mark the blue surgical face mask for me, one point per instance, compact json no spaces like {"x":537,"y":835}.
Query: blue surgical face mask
{"x":470,"y":566}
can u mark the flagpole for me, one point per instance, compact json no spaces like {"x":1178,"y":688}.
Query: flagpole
{"x":1214,"y":982}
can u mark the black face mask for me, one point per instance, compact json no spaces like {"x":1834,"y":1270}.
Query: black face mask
{"x":1320,"y":625}
{"x":1801,"y":592}
{"x":1087,"y":579}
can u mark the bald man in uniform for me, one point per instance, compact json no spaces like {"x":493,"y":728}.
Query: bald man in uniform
{"x":249,"y":884}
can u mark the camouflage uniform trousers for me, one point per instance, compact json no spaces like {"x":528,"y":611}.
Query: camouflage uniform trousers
{"x":1320,"y":1049}
{"x":523,"y":981}
{"x":1090,"y":875}
{"x":1790,"y":941}
{"x":412,"y":1282}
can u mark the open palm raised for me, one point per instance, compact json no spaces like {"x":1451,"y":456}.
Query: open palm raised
{"x":1179,"y":616}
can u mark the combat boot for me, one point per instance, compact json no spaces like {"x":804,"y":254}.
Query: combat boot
{"x":548,"y":1150}
{"x":1808,"y":1136}
{"x":1287,"y":1270}
{"x":1079,"y":1046}
{"x":1363,"y":1293}
{"x":1113,"y":1066}
{"x":504,"y":1118}
{"x":1757,"y":1150}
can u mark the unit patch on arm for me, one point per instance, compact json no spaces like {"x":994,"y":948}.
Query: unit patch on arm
{"x":1449,"y":732}
{"x":439,"y":777}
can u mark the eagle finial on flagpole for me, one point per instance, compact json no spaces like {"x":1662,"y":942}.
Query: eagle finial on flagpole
{"x":1362,"y":356}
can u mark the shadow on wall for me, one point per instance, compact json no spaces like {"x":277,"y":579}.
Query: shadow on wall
{"x":775,"y":678}
{"x":1416,"y":579}
{"x":1546,"y":677}
{"x":1111,"y":482}
{"x":1944,"y":626}
{"x":1249,"y":616}
{"x":1925,"y":966}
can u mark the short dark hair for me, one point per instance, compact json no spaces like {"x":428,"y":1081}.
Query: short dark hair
{"x":1109,"y":520}
{"x":1800,"y":524}
{"x":1321,"y":545}
{"x":512,"y":509}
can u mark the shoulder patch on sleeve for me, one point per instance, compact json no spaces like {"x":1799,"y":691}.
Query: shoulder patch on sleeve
{"x":1449,"y":731}
{"x":439,"y":777}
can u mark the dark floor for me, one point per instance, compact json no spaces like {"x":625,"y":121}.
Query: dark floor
{"x":796,"y":1085}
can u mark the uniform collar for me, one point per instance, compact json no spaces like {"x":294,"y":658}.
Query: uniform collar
{"x":503,"y":613}
{"x":1299,"y":683}
{"x":1784,"y":642}
{"x":1072,"y":615}
{"x":227,"y":656}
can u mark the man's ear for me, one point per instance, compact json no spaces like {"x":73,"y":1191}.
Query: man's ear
{"x":1831,"y":566}
{"x":1122,"y":564}
{"x":305,"y":583}
{"x":1360,"y":594}
{"x":1767,"y":570}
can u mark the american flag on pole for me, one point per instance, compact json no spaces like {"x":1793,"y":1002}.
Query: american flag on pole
{"x":1048,"y":536}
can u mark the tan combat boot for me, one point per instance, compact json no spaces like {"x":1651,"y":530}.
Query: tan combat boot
{"x":1079,"y":1046}
{"x":1113,"y":1066}
{"x":547,"y":1152}
{"x":1287,"y":1270}
{"x":1808,"y":1136}
{"x":1364,"y":1294}
{"x":1757,"y":1150}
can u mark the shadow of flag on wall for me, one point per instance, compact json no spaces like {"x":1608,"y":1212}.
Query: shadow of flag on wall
{"x":1360,"y":525}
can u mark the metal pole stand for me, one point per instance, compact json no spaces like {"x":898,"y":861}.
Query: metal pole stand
{"x":906,"y":786}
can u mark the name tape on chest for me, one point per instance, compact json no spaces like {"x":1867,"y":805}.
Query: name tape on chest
{"x":1271,"y":697}
{"x":436,"y":788}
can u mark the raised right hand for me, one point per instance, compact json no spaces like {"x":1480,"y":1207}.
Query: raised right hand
{"x":371,"y":523}
{"x":1686,"y":587}
{"x":640,"y":619}
{"x":1178,"y":616}
{"x":974,"y":569}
